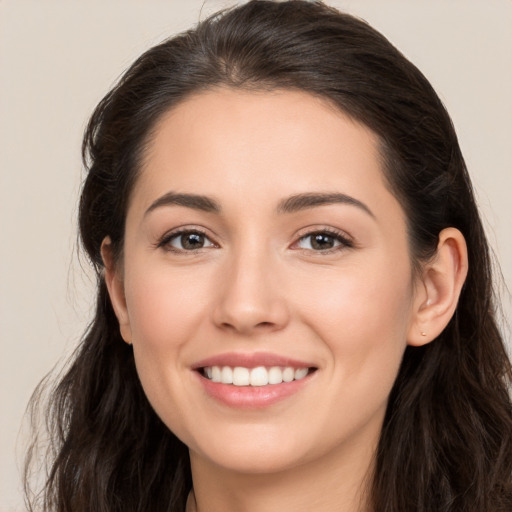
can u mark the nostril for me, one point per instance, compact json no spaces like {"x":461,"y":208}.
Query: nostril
{"x":265,"y":324}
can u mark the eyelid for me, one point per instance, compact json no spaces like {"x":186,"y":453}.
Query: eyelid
{"x":164,"y":241}
{"x":346,"y":241}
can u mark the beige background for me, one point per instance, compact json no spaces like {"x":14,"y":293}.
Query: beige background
{"x":58,"y":58}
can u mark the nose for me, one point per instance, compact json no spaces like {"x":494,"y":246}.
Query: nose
{"x":251,"y":299}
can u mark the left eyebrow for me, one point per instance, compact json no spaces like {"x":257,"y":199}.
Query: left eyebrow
{"x":312,"y":199}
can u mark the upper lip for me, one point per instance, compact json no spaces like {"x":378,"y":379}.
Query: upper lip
{"x":250,"y":360}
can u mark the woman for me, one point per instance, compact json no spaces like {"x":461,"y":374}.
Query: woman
{"x":294,"y":289}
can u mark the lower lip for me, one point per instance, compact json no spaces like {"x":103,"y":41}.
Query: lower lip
{"x":252,"y":396}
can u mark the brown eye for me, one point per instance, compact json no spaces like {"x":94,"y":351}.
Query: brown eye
{"x":189,"y":241}
{"x":192,"y":241}
{"x":323,"y":241}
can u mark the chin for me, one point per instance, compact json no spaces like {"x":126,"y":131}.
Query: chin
{"x":253,"y":450}
{"x":253,"y":462}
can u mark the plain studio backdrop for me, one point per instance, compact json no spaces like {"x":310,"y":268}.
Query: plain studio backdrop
{"x":58,"y":59}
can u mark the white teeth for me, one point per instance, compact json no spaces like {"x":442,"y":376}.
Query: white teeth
{"x":300,"y":373}
{"x":241,"y":376}
{"x":226,"y":376}
{"x":275,"y":375}
{"x":216,"y":374}
{"x":288,"y":374}
{"x":259,"y":376}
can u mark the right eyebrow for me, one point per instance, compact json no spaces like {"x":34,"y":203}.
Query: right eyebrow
{"x":194,"y":201}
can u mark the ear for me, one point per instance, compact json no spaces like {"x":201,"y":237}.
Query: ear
{"x":115,"y":286}
{"x":439,"y":288}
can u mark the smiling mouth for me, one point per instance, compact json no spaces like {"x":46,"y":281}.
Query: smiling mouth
{"x":257,"y":376}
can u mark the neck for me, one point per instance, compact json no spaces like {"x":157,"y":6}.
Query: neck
{"x":326,"y":484}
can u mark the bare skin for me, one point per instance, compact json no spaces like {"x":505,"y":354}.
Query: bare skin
{"x":227,"y":255}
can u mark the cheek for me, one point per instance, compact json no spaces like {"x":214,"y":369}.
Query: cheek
{"x":363,"y":320}
{"x":166,"y":309}
{"x":356,"y":301}
{"x":164,"y":306}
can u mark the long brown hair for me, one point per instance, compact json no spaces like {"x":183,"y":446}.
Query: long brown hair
{"x":446,"y":443}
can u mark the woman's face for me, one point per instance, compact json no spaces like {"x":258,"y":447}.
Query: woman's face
{"x":263,"y":243}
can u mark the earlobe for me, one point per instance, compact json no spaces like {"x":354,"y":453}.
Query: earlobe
{"x":439,"y":288}
{"x":115,"y":286}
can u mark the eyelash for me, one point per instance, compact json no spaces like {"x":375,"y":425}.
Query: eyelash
{"x":165,"y":241}
{"x":343,"y":241}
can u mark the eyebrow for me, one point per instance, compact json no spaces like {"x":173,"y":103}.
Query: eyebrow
{"x":291,"y":204}
{"x":300,"y":202}
{"x":195,"y":201}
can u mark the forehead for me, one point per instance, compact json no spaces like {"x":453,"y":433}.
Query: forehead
{"x":260,"y":144}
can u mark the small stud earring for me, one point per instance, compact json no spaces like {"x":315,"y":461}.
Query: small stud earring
{"x":423,"y":333}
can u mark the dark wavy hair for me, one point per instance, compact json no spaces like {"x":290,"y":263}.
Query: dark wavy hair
{"x":446,"y":443}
